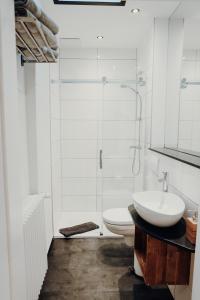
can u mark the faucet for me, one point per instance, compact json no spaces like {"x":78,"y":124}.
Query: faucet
{"x":164,"y":180}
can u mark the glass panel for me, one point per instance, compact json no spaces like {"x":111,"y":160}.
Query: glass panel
{"x":80,"y":105}
{"x":118,"y":137}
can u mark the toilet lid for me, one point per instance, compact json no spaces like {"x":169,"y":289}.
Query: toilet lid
{"x":118,"y":216}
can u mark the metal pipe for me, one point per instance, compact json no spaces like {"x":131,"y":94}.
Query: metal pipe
{"x":185,"y":83}
{"x":138,"y":147}
{"x":100,"y":159}
{"x":100,"y":81}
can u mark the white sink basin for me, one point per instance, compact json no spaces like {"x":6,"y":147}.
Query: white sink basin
{"x":159,"y":208}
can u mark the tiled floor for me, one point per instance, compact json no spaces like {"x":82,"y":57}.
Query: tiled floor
{"x":94,"y":269}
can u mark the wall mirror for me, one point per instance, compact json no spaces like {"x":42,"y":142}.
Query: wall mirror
{"x":182,"y":108}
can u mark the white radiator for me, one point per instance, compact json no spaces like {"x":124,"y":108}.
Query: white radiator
{"x":35,"y":245}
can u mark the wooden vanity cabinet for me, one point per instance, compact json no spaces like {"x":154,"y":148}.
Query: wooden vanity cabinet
{"x":161,"y":262}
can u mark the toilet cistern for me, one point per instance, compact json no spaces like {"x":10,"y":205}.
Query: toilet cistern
{"x":164,"y":180}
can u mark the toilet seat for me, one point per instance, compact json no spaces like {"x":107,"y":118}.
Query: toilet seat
{"x":118,"y":216}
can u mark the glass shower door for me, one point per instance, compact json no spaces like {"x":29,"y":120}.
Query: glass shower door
{"x":118,"y":136}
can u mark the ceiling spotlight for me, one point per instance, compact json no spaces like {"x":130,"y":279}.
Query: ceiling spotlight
{"x":99,"y":37}
{"x":135,"y":11}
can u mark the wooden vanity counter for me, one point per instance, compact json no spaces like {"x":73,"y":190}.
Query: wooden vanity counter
{"x":164,"y":254}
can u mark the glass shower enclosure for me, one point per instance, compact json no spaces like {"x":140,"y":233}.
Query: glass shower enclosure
{"x":98,"y":146}
{"x":98,"y":135}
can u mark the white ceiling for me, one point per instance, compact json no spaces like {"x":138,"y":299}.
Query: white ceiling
{"x":119,"y":27}
{"x":190,"y":11}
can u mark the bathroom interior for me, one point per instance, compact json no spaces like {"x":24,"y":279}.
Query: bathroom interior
{"x":99,"y":149}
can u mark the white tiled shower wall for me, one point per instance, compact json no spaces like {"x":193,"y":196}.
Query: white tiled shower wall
{"x":87,"y":117}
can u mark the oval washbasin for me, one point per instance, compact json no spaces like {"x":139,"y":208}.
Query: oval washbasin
{"x":159,"y":208}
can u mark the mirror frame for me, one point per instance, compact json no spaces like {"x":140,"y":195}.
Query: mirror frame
{"x":187,"y":158}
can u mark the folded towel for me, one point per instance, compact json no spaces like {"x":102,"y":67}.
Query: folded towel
{"x":48,"y":51}
{"x":38,"y":13}
{"x":69,"y":231}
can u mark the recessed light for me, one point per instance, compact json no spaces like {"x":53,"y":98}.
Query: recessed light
{"x":99,"y":37}
{"x":135,"y":11}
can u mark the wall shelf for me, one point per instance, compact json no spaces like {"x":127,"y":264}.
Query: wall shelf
{"x":29,"y":54}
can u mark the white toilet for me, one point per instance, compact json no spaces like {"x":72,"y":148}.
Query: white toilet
{"x":119,"y":221}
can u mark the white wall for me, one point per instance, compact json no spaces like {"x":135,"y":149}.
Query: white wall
{"x":14,"y":154}
{"x":55,"y":137}
{"x":189,"y":139}
{"x":42,"y":86}
{"x":183,"y":179}
{"x":159,"y":82}
{"x":35,"y":145}
{"x":43,"y":143}
{"x":11,"y":151}
{"x":145,"y":66}
{"x":23,"y":128}
{"x":4,"y":256}
{"x":196,"y":286}
{"x":30,"y":86}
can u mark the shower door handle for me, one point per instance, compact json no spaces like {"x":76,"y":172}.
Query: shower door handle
{"x":100,"y":159}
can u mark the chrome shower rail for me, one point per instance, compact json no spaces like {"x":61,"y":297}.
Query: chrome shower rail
{"x":185,"y":83}
{"x":104,"y":80}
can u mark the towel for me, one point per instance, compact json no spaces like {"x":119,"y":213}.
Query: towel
{"x":48,"y":51}
{"x":38,"y":13}
{"x":69,"y":231}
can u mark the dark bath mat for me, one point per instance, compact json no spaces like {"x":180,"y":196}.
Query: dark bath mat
{"x":85,"y":227}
